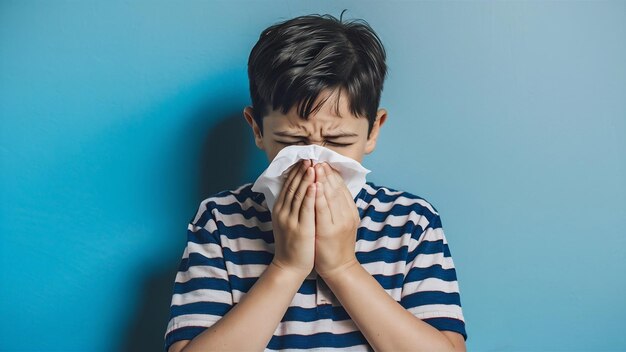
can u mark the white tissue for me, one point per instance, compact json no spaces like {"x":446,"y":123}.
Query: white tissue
{"x":271,"y":180}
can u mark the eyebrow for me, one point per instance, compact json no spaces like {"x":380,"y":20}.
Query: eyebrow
{"x":336,"y":135}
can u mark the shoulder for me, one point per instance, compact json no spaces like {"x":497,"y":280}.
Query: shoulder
{"x":239,"y":200}
{"x":388,"y":198}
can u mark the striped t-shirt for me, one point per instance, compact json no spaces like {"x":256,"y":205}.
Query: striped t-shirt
{"x":400,"y":242}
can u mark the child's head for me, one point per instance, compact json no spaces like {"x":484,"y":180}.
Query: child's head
{"x":314,"y":77}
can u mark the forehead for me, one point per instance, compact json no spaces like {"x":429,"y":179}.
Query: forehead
{"x":334,"y":113}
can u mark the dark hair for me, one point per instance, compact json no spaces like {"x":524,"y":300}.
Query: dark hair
{"x":294,"y":60}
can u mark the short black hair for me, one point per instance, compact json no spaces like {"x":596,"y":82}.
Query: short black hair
{"x":294,"y":60}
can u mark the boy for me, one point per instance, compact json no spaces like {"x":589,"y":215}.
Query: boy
{"x":324,"y":271}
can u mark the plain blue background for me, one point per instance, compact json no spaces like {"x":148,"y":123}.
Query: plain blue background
{"x":118,"y":118}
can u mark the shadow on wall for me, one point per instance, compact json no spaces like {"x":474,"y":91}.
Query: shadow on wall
{"x":223,"y":158}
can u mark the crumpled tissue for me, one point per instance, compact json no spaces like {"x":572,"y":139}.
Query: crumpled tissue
{"x":270,"y":182}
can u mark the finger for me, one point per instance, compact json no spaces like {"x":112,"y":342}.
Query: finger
{"x":319,"y":173}
{"x":351,"y":201}
{"x":334,"y":197}
{"x":338,"y":183}
{"x":293,"y":186}
{"x":298,"y":197}
{"x":333,"y":176}
{"x":278,"y":204}
{"x":343,"y":189}
{"x":306,"y":217}
{"x":341,"y":185}
{"x":322,"y":212}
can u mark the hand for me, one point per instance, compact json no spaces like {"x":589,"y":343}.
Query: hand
{"x":336,"y":222}
{"x":293,"y":221}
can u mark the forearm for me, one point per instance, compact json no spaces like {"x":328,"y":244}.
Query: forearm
{"x":249,"y":325}
{"x":386,"y":325}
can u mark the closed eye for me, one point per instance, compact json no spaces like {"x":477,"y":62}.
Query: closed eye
{"x":303,"y":143}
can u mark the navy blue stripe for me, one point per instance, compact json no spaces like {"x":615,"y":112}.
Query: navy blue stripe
{"x":199,"y":283}
{"x":184,"y":265}
{"x":245,"y":284}
{"x":429,"y":247}
{"x":389,"y":282}
{"x":417,"y":299}
{"x":213,"y":308}
{"x":196,"y":259}
{"x":241,"y":231}
{"x":387,"y":230}
{"x":382,"y":254}
{"x":449,"y":324}
{"x":436,"y":271}
{"x":185,"y":333}
{"x":294,"y":313}
{"x":204,"y":218}
{"x":248,"y":256}
{"x":202,"y":236}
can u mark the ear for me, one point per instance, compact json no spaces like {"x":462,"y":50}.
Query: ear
{"x":381,"y":117}
{"x":248,"y":113}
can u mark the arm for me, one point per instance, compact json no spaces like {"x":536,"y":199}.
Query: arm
{"x":386,"y":325}
{"x":429,"y":288}
{"x":249,"y":325}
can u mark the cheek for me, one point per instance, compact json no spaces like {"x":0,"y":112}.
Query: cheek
{"x":354,"y":151}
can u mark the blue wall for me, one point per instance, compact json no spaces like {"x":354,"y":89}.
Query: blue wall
{"x":118,"y":118}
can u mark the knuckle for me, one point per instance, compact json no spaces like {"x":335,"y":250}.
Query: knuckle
{"x":291,"y":188}
{"x":292,"y":225}
{"x":282,"y":218}
{"x":298,"y":195}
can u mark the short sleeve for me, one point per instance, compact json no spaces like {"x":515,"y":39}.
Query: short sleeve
{"x":202,"y":293}
{"x":430,"y":290}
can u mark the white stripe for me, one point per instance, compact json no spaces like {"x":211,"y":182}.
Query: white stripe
{"x":238,"y":219}
{"x":428,"y":260}
{"x":437,"y":311}
{"x":391,"y":243}
{"x":210,"y":226}
{"x":394,"y":220}
{"x":430,"y":284}
{"x":202,"y":295}
{"x":283,"y":328}
{"x":362,"y":245}
{"x":247,"y":244}
{"x":245,"y":271}
{"x":196,"y":271}
{"x":374,"y":268}
{"x":315,"y":327}
{"x":207,"y":250}
{"x":181,"y":321}
{"x":383,"y":207}
{"x":247,"y":204}
{"x":387,"y":191}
